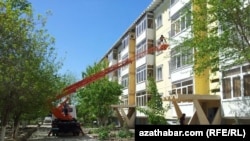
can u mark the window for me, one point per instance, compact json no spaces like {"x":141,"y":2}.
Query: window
{"x":236,"y":87}
{"x":183,"y":87}
{"x":179,"y":22}
{"x":150,"y":70}
{"x":146,"y":22}
{"x":226,"y":84}
{"x":141,"y":74}
{"x":235,"y":82}
{"x":231,"y":72}
{"x":186,"y":57}
{"x":119,"y":72}
{"x":124,"y":57}
{"x":246,"y":68}
{"x":125,"y":42}
{"x":112,"y":55}
{"x":125,"y":81}
{"x":140,"y":48}
{"x":246,"y":85}
{"x":150,"y":23}
{"x":159,"y":73}
{"x":180,"y":57}
{"x":141,"y":27}
{"x":141,"y":99}
{"x":159,"y":21}
{"x":124,"y":100}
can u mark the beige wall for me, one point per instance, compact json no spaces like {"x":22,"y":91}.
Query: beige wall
{"x":163,"y":58}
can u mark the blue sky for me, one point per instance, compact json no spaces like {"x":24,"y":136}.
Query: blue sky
{"x":86,"y":29}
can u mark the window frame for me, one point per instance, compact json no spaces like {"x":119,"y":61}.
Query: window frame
{"x":141,"y":26}
{"x":141,"y":99}
{"x":159,"y":21}
{"x":124,"y":81}
{"x":159,"y":73}
{"x":141,"y":47}
{"x":232,"y":89}
{"x":125,"y":42}
{"x":180,"y":58}
{"x":141,"y":74}
{"x":124,"y":57}
{"x":178,"y":87}
{"x":180,"y":22}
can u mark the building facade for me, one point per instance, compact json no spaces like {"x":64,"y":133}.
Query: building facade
{"x":172,"y":69}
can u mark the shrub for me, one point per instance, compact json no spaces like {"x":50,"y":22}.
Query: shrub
{"x":103,"y":133}
{"x":124,"y":133}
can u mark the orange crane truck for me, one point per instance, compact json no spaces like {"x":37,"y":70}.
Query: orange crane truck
{"x":63,"y":119}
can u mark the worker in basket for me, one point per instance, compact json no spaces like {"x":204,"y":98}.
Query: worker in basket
{"x":162,"y":42}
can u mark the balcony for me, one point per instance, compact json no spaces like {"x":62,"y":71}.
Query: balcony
{"x":177,"y":6}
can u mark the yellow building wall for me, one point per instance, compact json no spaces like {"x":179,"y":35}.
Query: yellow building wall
{"x":131,"y":81}
{"x":201,"y":81}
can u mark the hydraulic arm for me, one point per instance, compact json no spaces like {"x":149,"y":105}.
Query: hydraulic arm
{"x":57,"y":111}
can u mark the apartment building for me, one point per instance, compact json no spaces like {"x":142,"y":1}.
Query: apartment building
{"x":215,"y":97}
{"x":229,"y":85}
{"x":138,"y":38}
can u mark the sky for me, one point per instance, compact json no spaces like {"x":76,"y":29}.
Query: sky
{"x":85,"y":30}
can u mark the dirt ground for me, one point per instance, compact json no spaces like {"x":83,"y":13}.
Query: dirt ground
{"x":23,"y":134}
{"x":42,"y":135}
{"x":35,"y":133}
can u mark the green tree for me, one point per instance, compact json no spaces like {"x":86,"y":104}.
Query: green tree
{"x":11,"y":36}
{"x":69,"y":78}
{"x":220,"y":34}
{"x":28,"y":64}
{"x":95,"y":99}
{"x":155,"y":110}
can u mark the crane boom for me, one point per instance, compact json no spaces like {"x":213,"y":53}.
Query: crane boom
{"x":72,"y":88}
{"x":57,"y":111}
{"x":65,"y":122}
